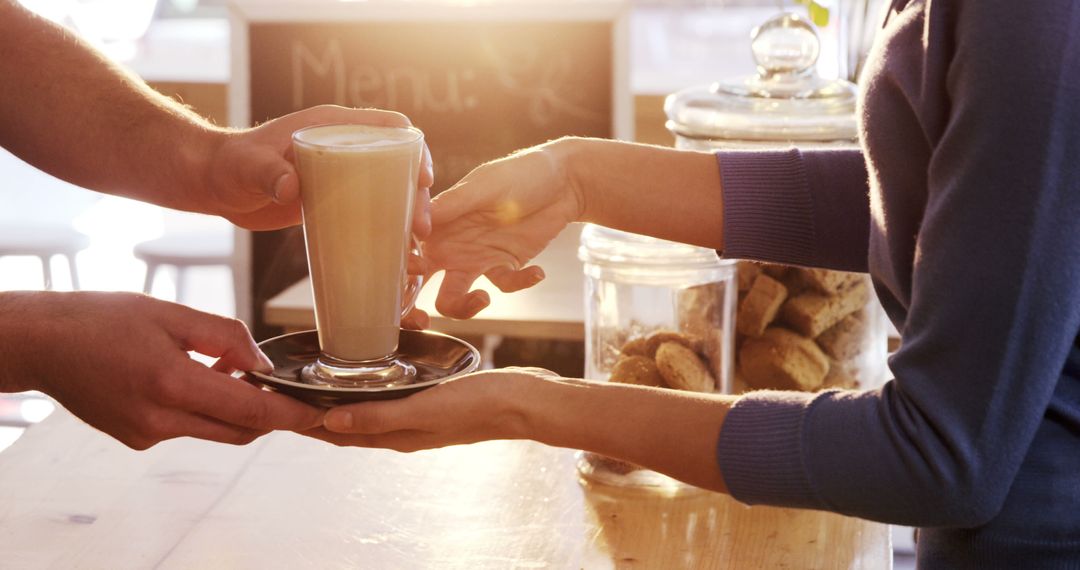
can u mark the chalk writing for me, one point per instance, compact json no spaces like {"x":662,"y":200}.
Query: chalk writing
{"x":368,"y":85}
{"x":544,"y":79}
{"x":331,"y":64}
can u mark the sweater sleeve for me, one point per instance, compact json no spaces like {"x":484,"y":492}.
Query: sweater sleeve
{"x":995,"y":306}
{"x":799,"y":207}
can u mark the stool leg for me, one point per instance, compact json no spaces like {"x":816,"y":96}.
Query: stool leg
{"x":236,"y":291}
{"x":148,"y":282}
{"x":181,"y":283}
{"x":74,"y":272}
{"x":46,"y":271}
{"x":490,"y":343}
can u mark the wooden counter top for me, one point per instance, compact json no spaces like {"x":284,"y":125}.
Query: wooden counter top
{"x":70,"y":497}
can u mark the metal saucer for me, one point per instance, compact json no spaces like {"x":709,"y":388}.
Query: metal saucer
{"x":437,"y":358}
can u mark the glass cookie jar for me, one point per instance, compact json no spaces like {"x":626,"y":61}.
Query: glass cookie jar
{"x":659,"y":314}
{"x":796,"y":328}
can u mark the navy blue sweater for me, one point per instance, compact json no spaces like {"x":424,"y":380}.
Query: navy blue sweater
{"x":964,"y":206}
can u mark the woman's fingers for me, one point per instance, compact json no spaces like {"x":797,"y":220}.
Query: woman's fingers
{"x":404,"y":441}
{"x":418,"y":265}
{"x":509,"y":280}
{"x":455,"y":299}
{"x":421,"y":222}
{"x":427,"y":169}
{"x":416,"y":320}
{"x":377,"y":417}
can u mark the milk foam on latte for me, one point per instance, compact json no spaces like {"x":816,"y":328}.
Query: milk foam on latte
{"x":357,"y":186}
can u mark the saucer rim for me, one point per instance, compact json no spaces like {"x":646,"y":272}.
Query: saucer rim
{"x":264,"y":377}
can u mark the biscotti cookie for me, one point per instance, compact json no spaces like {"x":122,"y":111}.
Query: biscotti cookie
{"x":715,"y":352}
{"x":781,"y":359}
{"x":823,"y":280}
{"x":845,"y":339}
{"x":639,"y":370}
{"x":760,"y":306}
{"x":701,"y":308}
{"x":746,"y":273}
{"x":813,"y":313}
{"x":654,"y":340}
{"x":634,"y":347}
{"x":778,"y":272}
{"x":683,"y":369}
{"x":839,"y":378}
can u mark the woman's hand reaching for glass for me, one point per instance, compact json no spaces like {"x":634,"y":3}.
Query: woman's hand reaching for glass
{"x":503,"y":213}
{"x":494,"y":221}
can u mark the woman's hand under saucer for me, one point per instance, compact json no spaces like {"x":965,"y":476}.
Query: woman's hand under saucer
{"x":633,"y":423}
{"x":476,"y":407}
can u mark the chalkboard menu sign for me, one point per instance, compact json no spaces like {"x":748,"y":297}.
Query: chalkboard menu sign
{"x":480,"y":79}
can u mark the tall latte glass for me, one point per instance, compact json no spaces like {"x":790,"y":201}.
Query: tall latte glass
{"x":357,"y":185}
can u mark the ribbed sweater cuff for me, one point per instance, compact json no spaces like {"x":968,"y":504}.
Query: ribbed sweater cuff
{"x":768,"y":210}
{"x":760,"y":450}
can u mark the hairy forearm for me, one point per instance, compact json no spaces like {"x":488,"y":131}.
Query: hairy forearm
{"x":652,"y":190}
{"x":21,"y":336}
{"x":69,"y":111}
{"x":672,"y":432}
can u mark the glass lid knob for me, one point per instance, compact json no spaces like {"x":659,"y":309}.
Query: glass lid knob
{"x":786,"y":44}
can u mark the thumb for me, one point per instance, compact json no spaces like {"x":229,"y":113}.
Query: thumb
{"x":269,"y":174}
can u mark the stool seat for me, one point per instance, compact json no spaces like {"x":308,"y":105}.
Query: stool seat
{"x":38,"y":240}
{"x":187,"y":250}
{"x":44,"y":241}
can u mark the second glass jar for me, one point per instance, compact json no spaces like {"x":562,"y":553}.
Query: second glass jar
{"x":659,"y":314}
{"x":797,"y":328}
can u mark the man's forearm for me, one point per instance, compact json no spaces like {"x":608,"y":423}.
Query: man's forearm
{"x":69,"y":111}
{"x":652,"y":190}
{"x":20,"y":337}
{"x":669,"y":431}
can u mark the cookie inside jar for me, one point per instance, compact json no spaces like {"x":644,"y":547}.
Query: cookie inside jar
{"x":806,"y":329}
{"x":664,"y":359}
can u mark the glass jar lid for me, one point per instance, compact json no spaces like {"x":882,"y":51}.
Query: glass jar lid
{"x":785,"y":101}
{"x":605,"y":246}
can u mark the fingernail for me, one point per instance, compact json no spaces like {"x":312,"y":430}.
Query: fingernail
{"x":279,"y":187}
{"x":265,"y":364}
{"x":538,"y":275}
{"x":338,"y":420}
